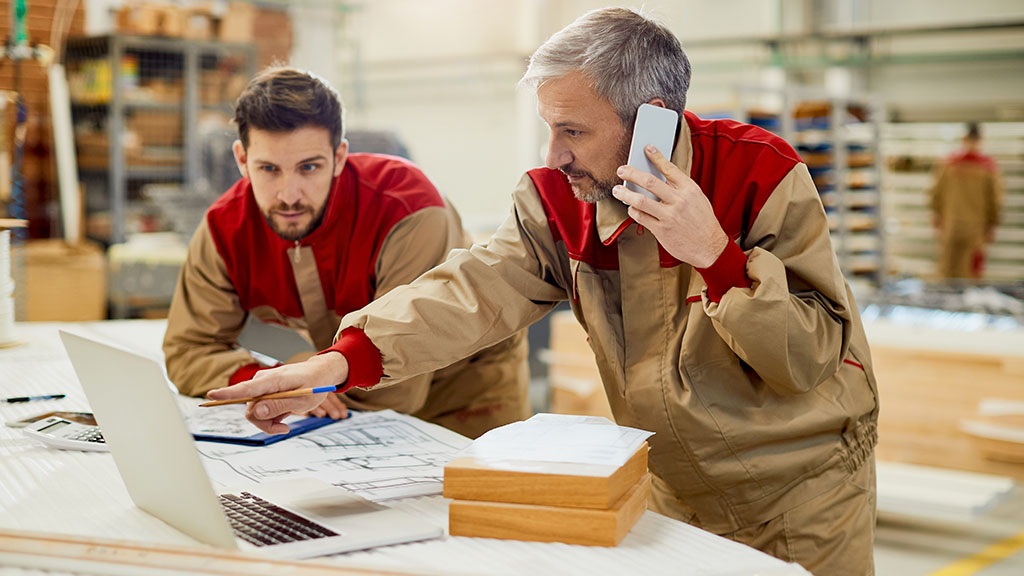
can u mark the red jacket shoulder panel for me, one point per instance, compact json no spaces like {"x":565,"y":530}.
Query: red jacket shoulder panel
{"x":964,"y":157}
{"x":737,"y":166}
{"x":573,"y":221}
{"x":373,"y":193}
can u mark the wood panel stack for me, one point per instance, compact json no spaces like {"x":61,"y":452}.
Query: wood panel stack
{"x":931,"y":384}
{"x":573,"y":503}
{"x":38,"y":169}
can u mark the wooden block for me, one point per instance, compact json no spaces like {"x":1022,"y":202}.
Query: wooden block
{"x":543,"y":483}
{"x":550,"y":523}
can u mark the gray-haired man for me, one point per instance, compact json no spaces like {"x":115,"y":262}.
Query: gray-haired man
{"x":719,"y":317}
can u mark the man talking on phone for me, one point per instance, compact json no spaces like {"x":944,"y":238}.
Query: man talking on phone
{"x":310,"y":233}
{"x":717,"y":314}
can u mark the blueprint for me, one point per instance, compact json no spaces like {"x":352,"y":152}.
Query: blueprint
{"x":228,"y":421}
{"x":378,"y":455}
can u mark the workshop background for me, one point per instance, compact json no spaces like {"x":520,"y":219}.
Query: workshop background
{"x":115,"y":138}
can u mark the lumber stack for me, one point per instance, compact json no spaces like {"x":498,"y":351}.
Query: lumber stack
{"x":546,"y":501}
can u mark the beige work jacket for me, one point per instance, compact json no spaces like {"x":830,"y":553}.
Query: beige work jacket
{"x":759,"y":401}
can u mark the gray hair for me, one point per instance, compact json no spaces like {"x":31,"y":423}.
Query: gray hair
{"x":629,"y":57}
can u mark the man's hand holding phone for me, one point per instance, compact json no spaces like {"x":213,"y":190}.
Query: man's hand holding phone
{"x":681,"y":217}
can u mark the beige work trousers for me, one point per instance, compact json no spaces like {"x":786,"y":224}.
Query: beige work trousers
{"x":831,"y":534}
{"x":957,"y":253}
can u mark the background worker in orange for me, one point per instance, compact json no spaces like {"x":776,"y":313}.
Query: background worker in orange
{"x":965,"y":208}
{"x":311,"y":233}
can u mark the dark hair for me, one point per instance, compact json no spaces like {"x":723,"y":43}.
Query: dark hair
{"x":281,"y":99}
{"x":973,"y":131}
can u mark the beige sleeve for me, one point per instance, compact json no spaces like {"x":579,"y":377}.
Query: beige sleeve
{"x":993,"y":199}
{"x":937,"y":191}
{"x":204,"y":321}
{"x":794,"y":323}
{"x":475,"y":299}
{"x":414,"y":245}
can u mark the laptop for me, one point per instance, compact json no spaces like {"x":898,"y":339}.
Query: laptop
{"x":157,"y":459}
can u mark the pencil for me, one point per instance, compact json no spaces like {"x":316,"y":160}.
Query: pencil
{"x":287,"y":394}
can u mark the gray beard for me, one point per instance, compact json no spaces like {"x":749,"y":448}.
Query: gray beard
{"x":602,"y":189}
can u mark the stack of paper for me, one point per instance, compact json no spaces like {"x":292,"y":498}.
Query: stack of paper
{"x":552,"y":478}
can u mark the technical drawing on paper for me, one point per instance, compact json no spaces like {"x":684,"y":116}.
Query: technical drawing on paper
{"x":226,"y":421}
{"x":378,"y":455}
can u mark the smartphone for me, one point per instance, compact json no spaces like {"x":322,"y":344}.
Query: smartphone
{"x":80,"y":417}
{"x":656,"y":126}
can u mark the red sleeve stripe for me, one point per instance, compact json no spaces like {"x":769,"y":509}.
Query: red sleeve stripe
{"x":852,"y":363}
{"x":365,"y":367}
{"x":729,"y":270}
{"x":693,"y":299}
{"x":245,"y":373}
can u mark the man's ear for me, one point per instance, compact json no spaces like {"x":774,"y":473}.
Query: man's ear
{"x":239,"y":150}
{"x":657,"y":102}
{"x":340,"y":155}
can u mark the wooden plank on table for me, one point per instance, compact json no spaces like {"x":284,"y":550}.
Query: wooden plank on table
{"x":104,"y":556}
{"x":543,"y":483}
{"x":534,"y":523}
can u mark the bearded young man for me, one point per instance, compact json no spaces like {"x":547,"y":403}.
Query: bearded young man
{"x":311,"y":233}
{"x":718,"y":316}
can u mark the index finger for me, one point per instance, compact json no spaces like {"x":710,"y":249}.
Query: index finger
{"x":260,"y":384}
{"x":672,"y":173}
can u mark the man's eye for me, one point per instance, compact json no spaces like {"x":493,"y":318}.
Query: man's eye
{"x":309,"y":167}
{"x":268,"y":169}
{"x":572,"y":133}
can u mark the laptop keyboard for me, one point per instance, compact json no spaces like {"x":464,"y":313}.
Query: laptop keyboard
{"x":261,"y":523}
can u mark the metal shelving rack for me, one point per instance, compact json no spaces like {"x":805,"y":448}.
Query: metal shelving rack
{"x":853,"y":204}
{"x":912,"y":152}
{"x":180,"y":58}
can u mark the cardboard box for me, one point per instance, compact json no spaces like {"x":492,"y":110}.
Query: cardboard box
{"x":236,"y":25}
{"x":64,"y":283}
{"x":157,"y":128}
{"x":141,"y":19}
{"x":198,"y":25}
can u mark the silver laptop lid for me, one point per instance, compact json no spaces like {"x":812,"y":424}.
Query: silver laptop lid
{"x":152,"y":447}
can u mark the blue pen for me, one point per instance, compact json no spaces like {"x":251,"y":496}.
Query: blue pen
{"x":287,"y":394}
{"x":17,"y":399}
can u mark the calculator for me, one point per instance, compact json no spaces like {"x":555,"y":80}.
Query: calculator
{"x":65,"y":434}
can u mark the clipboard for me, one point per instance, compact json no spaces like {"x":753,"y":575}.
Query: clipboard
{"x":263,"y":439}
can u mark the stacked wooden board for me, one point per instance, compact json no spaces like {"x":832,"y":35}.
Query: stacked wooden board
{"x":573,"y":503}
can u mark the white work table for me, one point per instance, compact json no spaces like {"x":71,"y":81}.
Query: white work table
{"x":78,"y":493}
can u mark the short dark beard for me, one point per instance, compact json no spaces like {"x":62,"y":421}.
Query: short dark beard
{"x":318,"y":218}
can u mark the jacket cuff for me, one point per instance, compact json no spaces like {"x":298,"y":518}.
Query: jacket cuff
{"x":729,"y":270}
{"x":365,"y":368}
{"x":245,"y":373}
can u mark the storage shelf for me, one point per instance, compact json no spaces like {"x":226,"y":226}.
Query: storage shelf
{"x":912,"y":152}
{"x":838,"y":139}
{"x":139,"y":124}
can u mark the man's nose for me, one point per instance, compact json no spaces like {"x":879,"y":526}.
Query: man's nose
{"x":291,"y":191}
{"x":557,"y":155}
